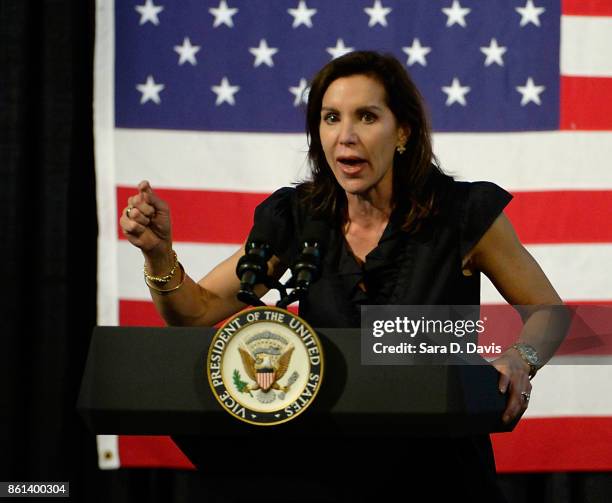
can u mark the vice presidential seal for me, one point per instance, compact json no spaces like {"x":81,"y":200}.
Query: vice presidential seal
{"x":265,"y":366}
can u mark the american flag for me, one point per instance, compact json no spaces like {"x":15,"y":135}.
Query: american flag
{"x":205,"y":99}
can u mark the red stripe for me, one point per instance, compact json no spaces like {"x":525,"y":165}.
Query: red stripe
{"x":142,"y":313}
{"x":204,"y":216}
{"x":150,"y":451}
{"x":556,"y":445}
{"x":536,"y":445}
{"x":226,"y":217}
{"x":590,"y":330}
{"x":578,"y":216}
{"x":586,"y":103}
{"x":586,"y":8}
{"x":139,"y":313}
{"x":589,"y":334}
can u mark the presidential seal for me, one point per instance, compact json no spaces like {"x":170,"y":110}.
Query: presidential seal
{"x":265,"y":366}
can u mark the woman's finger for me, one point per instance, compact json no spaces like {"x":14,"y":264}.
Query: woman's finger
{"x":138,"y":201}
{"x":150,"y":197}
{"x":136,"y":214}
{"x":518,"y":401}
{"x":504,"y":381}
{"x":132,"y":228}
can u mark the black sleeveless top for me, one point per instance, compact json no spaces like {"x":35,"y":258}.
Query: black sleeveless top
{"x":422,"y":268}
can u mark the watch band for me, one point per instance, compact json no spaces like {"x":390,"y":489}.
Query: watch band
{"x":530,"y":357}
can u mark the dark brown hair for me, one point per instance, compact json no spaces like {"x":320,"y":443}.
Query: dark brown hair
{"x":412,"y":193}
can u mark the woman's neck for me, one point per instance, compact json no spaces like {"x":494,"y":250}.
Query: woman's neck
{"x":367,"y":212}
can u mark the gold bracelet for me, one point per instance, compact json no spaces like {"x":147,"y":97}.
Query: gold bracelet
{"x":161,"y":291}
{"x":162,"y":280}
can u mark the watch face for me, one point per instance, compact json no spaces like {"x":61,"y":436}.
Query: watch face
{"x":531,"y":356}
{"x":529,"y":353}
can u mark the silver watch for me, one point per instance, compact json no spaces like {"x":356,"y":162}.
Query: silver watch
{"x":530,"y":355}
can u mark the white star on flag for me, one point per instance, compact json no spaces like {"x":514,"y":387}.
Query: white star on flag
{"x":530,"y":92}
{"x":340,"y":49}
{"x":456,"y":93}
{"x":416,"y":53}
{"x":148,"y":12}
{"x":263,"y":54}
{"x":302,"y":15}
{"x":456,"y":14}
{"x":530,"y":13}
{"x":493,"y":53}
{"x":300,"y":92}
{"x":187,"y":52}
{"x":225,"y":92}
{"x":223,"y":14}
{"x":377,"y":13}
{"x":150,"y":91}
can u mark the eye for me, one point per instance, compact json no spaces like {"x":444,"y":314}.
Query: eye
{"x":330,"y":117}
{"x":368,"y":117}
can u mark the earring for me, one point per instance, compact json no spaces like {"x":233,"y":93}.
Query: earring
{"x":401,"y":142}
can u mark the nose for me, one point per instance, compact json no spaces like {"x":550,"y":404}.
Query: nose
{"x":348,"y":135}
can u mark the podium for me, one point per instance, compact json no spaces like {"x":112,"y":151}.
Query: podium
{"x":152,"y":381}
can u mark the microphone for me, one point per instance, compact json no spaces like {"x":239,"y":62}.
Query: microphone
{"x":307,"y":267}
{"x":252,"y":267}
{"x":271,"y":234}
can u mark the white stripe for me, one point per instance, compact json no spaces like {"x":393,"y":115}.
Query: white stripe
{"x":572,"y":390}
{"x":108,"y":452}
{"x":248,"y":162}
{"x":105,"y":167}
{"x":108,"y":312}
{"x":586,"y":46}
{"x":198,"y":259}
{"x":529,"y":161}
{"x":576,"y":271}
{"x":264,"y":162}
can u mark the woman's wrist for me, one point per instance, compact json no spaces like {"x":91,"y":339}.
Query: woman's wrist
{"x":162,"y":279}
{"x":530,"y":357}
{"x":160,"y":261}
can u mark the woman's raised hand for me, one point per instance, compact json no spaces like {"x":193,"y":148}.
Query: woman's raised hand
{"x":146,"y":221}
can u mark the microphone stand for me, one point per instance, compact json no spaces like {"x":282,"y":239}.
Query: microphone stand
{"x":252,"y":269}
{"x":306,"y":269}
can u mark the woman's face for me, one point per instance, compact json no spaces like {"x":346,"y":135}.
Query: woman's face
{"x":359,"y":133}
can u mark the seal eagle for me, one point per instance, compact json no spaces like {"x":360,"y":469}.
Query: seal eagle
{"x":266,"y":369}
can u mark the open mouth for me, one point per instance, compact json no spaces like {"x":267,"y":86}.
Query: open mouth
{"x":351,"y":164}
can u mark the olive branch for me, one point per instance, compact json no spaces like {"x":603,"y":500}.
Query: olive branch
{"x":241,"y":386}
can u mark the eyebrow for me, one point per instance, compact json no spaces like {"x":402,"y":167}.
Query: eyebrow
{"x":366,"y":108}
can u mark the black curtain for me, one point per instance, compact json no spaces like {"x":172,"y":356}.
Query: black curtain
{"x":48,"y":278}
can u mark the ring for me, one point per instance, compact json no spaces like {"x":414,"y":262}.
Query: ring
{"x":127,"y":212}
{"x":526,"y":396}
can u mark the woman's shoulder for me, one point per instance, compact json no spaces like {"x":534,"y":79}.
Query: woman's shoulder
{"x":452,"y":188}
{"x":472,"y":207}
{"x":278,"y":203}
{"x":276,"y":215}
{"x":481,"y":190}
{"x":458,"y":196}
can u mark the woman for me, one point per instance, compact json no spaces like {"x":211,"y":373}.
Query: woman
{"x":402,"y":233}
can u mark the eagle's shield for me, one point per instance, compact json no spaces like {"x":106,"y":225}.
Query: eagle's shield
{"x":266,"y":378}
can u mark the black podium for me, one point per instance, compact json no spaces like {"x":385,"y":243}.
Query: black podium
{"x":152,"y":381}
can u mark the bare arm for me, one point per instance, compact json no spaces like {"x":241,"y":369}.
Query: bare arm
{"x":146,"y":224}
{"x":521,"y":281}
{"x":210,"y":300}
{"x":519,"y":278}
